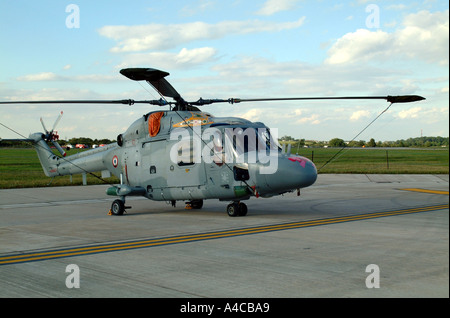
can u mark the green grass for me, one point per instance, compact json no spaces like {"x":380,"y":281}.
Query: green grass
{"x":20,"y":168}
{"x":380,"y":161}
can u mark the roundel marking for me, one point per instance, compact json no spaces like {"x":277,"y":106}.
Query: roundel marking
{"x":115,"y":161}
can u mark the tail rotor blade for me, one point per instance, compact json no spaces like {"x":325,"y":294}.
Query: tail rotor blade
{"x":43,"y":125}
{"x":61,"y":151}
{"x":57,"y":121}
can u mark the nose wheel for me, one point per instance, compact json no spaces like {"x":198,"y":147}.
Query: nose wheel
{"x":237,"y":209}
{"x":118,"y":207}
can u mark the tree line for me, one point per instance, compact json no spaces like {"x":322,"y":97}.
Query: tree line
{"x":88,"y":142}
{"x":335,"y":142}
{"x":85,"y":141}
{"x":338,"y":142}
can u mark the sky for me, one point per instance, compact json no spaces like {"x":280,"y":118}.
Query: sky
{"x":56,"y":50}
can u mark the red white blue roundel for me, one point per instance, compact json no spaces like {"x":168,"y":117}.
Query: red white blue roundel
{"x":115,"y":161}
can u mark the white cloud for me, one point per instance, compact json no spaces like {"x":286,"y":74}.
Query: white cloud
{"x":425,"y":115}
{"x":424,"y":36}
{"x":362,"y":44}
{"x":44,"y":76}
{"x":314,"y":119}
{"x":50,"y":76}
{"x":359,"y":114}
{"x":167,"y":60}
{"x":253,"y":114}
{"x":193,"y":9}
{"x":410,"y":113}
{"x":273,"y":6}
{"x":159,"y":36}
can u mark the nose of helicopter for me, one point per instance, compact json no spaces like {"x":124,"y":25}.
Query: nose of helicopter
{"x":293,"y":172}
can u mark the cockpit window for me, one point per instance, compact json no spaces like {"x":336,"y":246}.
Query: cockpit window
{"x":265,"y":137}
{"x":245,"y":140}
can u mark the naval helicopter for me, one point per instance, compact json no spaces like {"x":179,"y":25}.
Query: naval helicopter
{"x":185,"y":154}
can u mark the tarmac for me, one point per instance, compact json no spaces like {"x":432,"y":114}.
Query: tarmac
{"x":347,"y":236}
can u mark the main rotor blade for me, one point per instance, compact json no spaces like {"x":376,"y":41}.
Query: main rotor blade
{"x":391,"y":99}
{"x":200,"y":102}
{"x":154,"y":77}
{"x":159,"y":102}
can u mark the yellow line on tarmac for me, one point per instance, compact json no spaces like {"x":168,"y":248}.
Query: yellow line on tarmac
{"x":426,"y":191}
{"x":86,"y":250}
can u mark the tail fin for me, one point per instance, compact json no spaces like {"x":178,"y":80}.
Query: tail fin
{"x":49,"y":161}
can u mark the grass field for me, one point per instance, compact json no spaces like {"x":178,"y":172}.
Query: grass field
{"x":380,"y":161}
{"x":20,"y":168}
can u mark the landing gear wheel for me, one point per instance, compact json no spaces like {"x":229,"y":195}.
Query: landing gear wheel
{"x":233,"y":209}
{"x":117,"y":207}
{"x":237,"y":209}
{"x":242,"y":209}
{"x":197,"y":204}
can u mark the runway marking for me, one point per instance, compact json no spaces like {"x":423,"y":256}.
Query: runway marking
{"x":87,"y":250}
{"x":426,"y":191}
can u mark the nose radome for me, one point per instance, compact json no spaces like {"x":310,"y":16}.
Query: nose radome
{"x":292,"y":173}
{"x":306,"y":174}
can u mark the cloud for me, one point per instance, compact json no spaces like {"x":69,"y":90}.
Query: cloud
{"x":359,"y":114}
{"x":160,"y":37}
{"x":50,"y":76}
{"x":273,"y":6}
{"x":359,"y":45}
{"x":253,"y":114}
{"x":433,"y":121}
{"x":193,"y":9}
{"x":424,"y":35}
{"x":314,"y":119}
{"x":44,"y":76}
{"x":410,"y":113}
{"x":248,"y":77}
{"x":426,"y":115}
{"x":168,"y":60}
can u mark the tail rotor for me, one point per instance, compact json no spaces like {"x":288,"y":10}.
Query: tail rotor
{"x":52,"y":136}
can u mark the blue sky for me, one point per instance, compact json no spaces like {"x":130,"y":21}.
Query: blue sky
{"x":223,"y":49}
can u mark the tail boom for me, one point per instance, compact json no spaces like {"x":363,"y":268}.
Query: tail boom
{"x":53,"y":165}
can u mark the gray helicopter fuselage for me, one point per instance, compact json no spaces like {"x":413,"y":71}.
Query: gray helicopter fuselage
{"x":190,"y":155}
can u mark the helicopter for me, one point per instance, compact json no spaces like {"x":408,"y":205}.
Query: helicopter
{"x":184,"y":154}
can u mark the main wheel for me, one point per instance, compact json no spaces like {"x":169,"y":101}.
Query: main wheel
{"x":242,"y":209}
{"x":117,"y":207}
{"x":197,"y":204}
{"x":233,"y":209}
